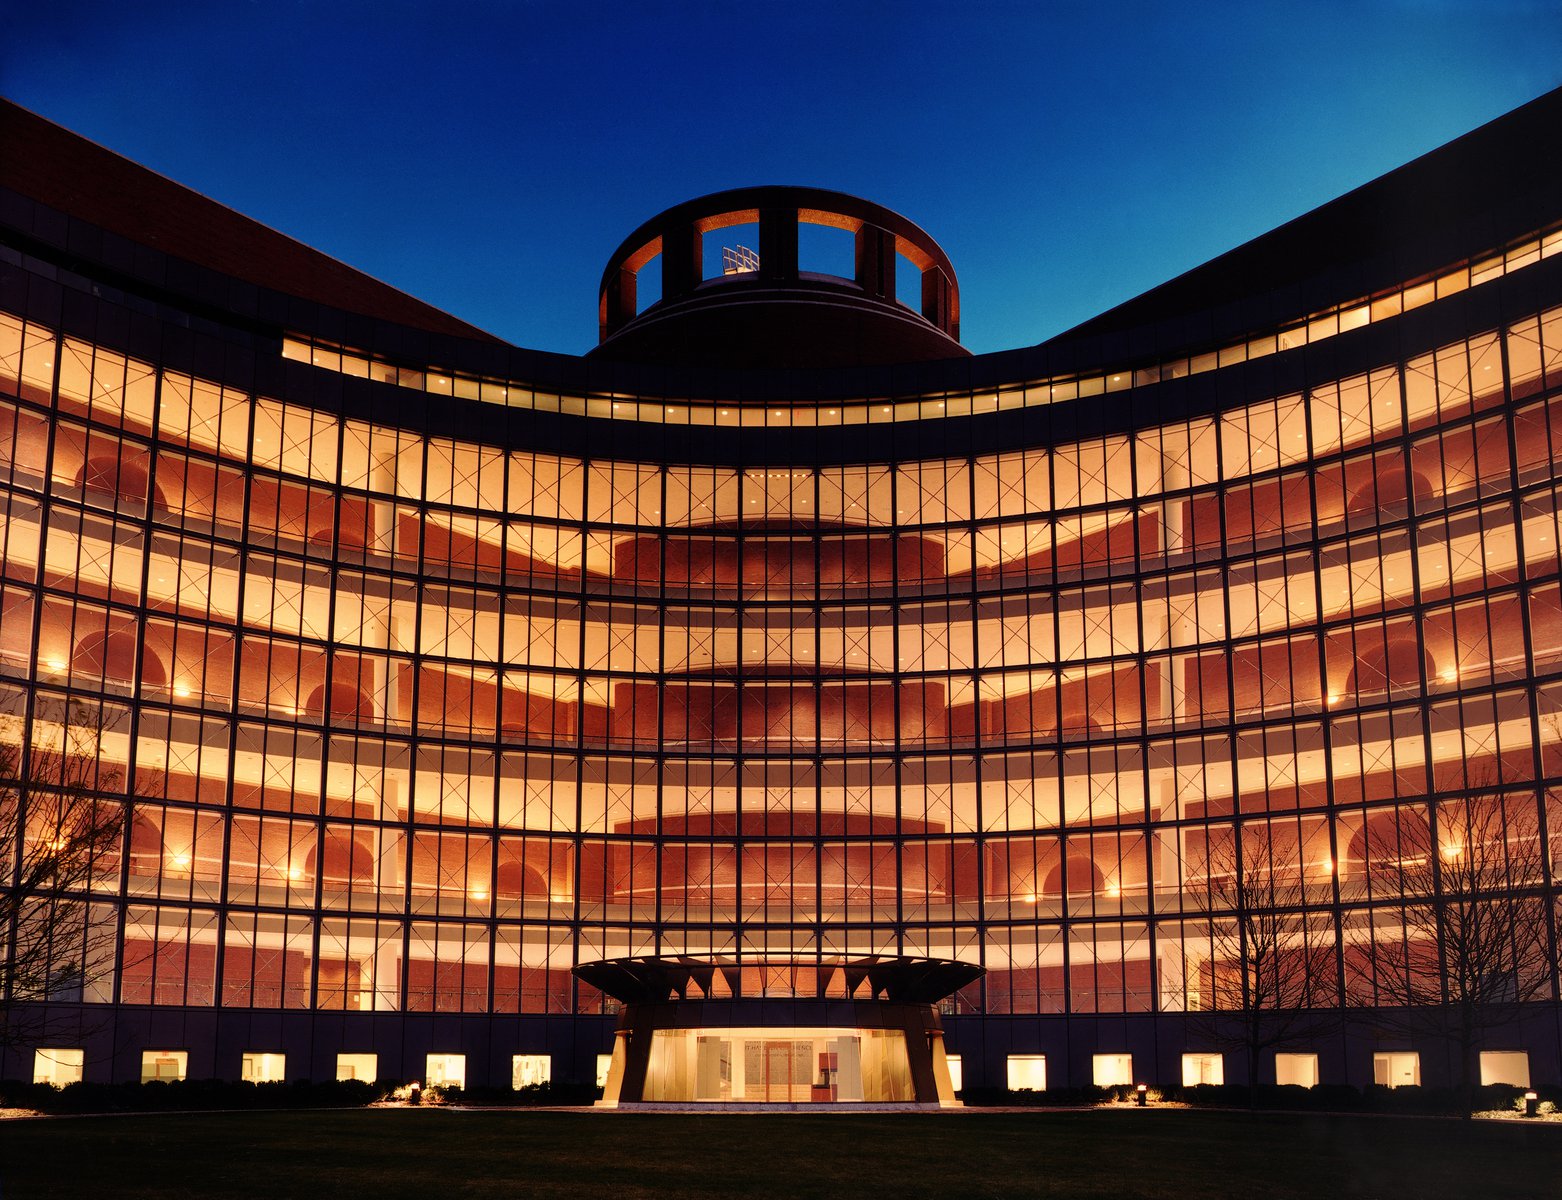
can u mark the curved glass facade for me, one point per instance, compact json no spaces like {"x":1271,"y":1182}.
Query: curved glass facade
{"x":425,"y":670}
{"x":416,"y":725}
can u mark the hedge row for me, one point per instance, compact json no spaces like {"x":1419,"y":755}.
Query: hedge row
{"x":198,"y":1094}
{"x":1327,"y":1097}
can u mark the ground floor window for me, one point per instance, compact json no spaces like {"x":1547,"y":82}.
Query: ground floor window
{"x":956,"y":1072}
{"x":1203,"y":1068}
{"x":527,"y":1070}
{"x":1504,"y":1066}
{"x":1296,"y":1070}
{"x":1396,"y":1068}
{"x":260,"y":1067}
{"x":1112,"y":1070}
{"x":445,"y":1070}
{"x":779,"y":1065}
{"x":604,"y":1065}
{"x":1027,"y":1072}
{"x":358,"y":1066}
{"x":164,"y":1066}
{"x":58,"y":1067}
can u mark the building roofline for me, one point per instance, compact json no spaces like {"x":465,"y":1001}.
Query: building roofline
{"x":74,"y":176}
{"x":1412,"y":220}
{"x":1428,"y":214}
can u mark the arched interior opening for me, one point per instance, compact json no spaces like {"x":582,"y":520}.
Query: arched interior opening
{"x":1388,"y":842}
{"x":348,"y":859}
{"x":1084,"y":878}
{"x":518,"y":878}
{"x":146,"y":845}
{"x":345,"y":703}
{"x":1393,"y":485}
{"x":111,"y":657}
{"x":128,"y":479}
{"x":1398,"y":662}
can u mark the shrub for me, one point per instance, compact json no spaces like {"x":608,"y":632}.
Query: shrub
{"x":990,"y":1097}
{"x":163,"y":1096}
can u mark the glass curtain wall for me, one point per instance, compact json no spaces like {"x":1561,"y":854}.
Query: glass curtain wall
{"x":413,"y":724}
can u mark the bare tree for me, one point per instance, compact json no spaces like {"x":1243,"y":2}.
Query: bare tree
{"x":1270,"y":980}
{"x":61,"y":830}
{"x":1471,"y":943}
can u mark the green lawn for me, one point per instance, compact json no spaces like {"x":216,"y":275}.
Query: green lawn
{"x":432,"y":1154}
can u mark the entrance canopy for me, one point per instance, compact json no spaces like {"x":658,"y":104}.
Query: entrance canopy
{"x":655,"y":980}
{"x":723,"y":1031}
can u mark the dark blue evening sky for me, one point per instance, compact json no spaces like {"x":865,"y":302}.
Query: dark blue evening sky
{"x":487,"y":156}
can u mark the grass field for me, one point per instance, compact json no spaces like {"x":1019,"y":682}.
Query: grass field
{"x":432,"y":1154}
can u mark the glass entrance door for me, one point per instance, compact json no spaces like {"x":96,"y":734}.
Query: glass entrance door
{"x":785,"y":1074}
{"x":778,"y":1066}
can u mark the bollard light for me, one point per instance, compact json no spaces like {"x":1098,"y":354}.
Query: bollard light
{"x":1531,"y":1104}
{"x":1142,"y":1095}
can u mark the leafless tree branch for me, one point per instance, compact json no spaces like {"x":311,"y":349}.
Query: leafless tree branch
{"x":1270,"y":979}
{"x":62,"y":830}
{"x":1470,"y":943}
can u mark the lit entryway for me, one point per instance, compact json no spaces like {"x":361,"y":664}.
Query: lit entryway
{"x":59,"y":1067}
{"x":530,"y":1070}
{"x":790,"y":1066}
{"x":263,"y":1068}
{"x":1296,"y":1070}
{"x":1027,"y":1072}
{"x":1203,"y":1068}
{"x":1505,"y":1066}
{"x":1396,"y":1069}
{"x":165,"y":1066}
{"x":445,"y":1070}
{"x":1112,"y":1070}
{"x":358,"y":1066}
